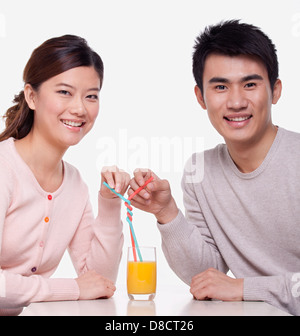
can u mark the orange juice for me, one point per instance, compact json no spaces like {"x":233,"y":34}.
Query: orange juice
{"x":141,"y":277}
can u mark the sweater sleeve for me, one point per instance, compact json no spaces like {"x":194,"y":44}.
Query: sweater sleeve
{"x":97,"y":243}
{"x":187,"y":242}
{"x":282,"y":291}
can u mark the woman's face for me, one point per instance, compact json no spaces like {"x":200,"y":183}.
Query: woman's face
{"x":66,"y":106}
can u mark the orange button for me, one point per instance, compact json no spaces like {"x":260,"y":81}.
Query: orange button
{"x":46,"y":219}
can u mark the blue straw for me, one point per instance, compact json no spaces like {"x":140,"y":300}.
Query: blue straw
{"x":128,"y":220}
{"x":113,"y":190}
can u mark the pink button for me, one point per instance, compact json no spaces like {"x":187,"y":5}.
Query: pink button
{"x":41,"y":244}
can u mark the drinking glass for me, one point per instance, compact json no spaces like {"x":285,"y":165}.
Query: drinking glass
{"x":141,"y":273}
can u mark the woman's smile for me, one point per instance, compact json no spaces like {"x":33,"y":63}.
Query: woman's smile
{"x":73,"y":125}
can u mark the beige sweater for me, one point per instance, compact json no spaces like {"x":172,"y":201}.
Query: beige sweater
{"x":248,"y":223}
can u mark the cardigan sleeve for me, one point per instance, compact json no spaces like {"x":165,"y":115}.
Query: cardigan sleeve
{"x":17,"y":290}
{"x":97,"y":243}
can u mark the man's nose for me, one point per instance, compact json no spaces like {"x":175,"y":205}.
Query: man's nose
{"x":236,"y":100}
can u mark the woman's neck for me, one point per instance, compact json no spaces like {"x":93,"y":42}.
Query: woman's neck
{"x":44,"y":160}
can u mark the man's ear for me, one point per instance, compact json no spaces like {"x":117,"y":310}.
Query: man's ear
{"x":199,"y":96}
{"x":30,"y":94}
{"x":277,"y":91}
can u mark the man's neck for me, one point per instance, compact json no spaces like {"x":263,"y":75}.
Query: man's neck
{"x":249,"y":156}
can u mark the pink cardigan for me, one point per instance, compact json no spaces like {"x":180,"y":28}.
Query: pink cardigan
{"x":37,"y":227}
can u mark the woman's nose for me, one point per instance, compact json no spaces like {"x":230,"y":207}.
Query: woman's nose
{"x":77,"y":106}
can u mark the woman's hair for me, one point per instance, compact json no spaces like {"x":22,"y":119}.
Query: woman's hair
{"x":232,"y":38}
{"x":51,"y":58}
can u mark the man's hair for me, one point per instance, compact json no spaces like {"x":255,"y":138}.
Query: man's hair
{"x":232,"y":38}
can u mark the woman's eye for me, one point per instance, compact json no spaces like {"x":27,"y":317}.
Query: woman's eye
{"x":93,"y":97}
{"x":64,"y":92}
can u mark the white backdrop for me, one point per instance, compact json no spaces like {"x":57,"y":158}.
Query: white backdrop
{"x":147,"y":103}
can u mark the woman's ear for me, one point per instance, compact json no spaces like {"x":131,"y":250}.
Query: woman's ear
{"x":199,"y":96}
{"x":29,"y":95}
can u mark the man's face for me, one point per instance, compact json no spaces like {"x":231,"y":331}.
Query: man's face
{"x":238,"y":97}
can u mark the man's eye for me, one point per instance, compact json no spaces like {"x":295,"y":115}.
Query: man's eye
{"x":250,"y":85}
{"x":221,"y":87}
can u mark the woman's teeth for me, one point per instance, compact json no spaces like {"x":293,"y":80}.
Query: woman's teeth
{"x":72,"y":123}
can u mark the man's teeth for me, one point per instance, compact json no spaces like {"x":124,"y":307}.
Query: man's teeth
{"x":72,"y":123}
{"x":238,"y":118}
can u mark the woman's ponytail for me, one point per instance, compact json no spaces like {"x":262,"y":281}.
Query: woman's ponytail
{"x":18,"y":119}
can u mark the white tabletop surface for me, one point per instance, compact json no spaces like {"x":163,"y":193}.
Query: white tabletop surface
{"x":168,"y":302}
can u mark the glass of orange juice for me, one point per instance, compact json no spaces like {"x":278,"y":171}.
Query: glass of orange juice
{"x":141,"y":274}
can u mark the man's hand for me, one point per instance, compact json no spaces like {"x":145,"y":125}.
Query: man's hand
{"x":156,"y":198}
{"x":213,"y":284}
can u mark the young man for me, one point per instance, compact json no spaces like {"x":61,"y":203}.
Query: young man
{"x":244,"y":214}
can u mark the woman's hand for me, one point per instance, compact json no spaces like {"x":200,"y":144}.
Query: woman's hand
{"x":115,"y":178}
{"x":94,"y":286}
{"x":155,"y":198}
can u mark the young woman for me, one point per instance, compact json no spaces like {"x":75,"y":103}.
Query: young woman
{"x":44,"y":204}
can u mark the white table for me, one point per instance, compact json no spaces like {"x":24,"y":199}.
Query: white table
{"x":168,"y":302}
